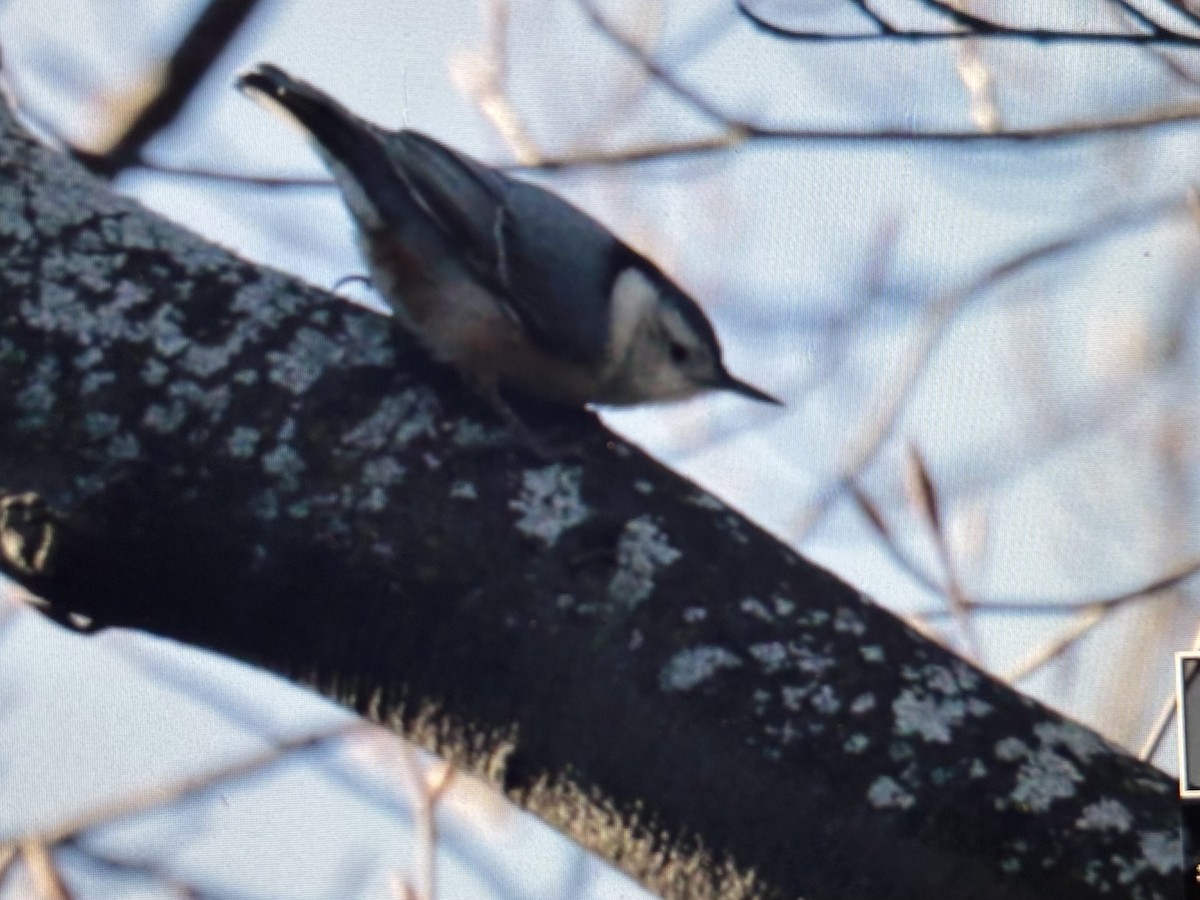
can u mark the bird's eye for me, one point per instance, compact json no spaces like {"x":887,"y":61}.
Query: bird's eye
{"x":679,"y":353}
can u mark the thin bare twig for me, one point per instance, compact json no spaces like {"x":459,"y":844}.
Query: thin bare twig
{"x":968,"y":26}
{"x":168,"y":884}
{"x":211,"y":33}
{"x":1139,"y":18}
{"x":1028,"y":606}
{"x":45,"y":875}
{"x":269,"y":182}
{"x":483,"y":75}
{"x":884,"y":26}
{"x":738,"y":133}
{"x":959,"y":16}
{"x":1165,"y":713}
{"x":661,"y":74}
{"x":977,"y":79}
{"x":1183,"y":9}
{"x":1158,"y":730}
{"x":941,"y":314}
{"x":428,"y":785}
{"x":735,"y":131}
{"x":1088,"y":619}
{"x":8,"y":856}
{"x":1012,"y":606}
{"x":173,"y":791}
{"x":925,"y":494}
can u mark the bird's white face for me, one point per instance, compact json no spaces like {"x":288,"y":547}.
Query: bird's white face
{"x":659,"y":354}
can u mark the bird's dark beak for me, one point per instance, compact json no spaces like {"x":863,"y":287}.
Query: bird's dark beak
{"x":727,"y":382}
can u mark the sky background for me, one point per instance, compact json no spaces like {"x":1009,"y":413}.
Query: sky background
{"x":1055,"y":411}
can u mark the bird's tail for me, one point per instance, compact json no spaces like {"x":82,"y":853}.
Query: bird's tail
{"x":353,"y":149}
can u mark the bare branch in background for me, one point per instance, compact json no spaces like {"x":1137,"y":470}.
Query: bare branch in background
{"x":1087,"y":619}
{"x":1135,"y":15}
{"x":173,"y":791}
{"x":954,"y":11}
{"x":971,"y":31}
{"x":1012,"y":605}
{"x":968,"y":26}
{"x":738,"y":133}
{"x":1165,"y":714}
{"x":735,"y":131}
{"x":631,"y":86}
{"x":1027,"y":606}
{"x":884,"y":26}
{"x":483,"y":76}
{"x":1090,"y":611}
{"x":428,"y":784}
{"x":940,"y":314}
{"x":37,"y":850}
{"x":157,"y":873}
{"x":978,"y":80}
{"x":269,"y":182}
{"x":211,"y":33}
{"x":662,"y":75}
{"x":46,"y":878}
{"x":1158,"y":730}
{"x":50,"y":133}
{"x":925,"y":496}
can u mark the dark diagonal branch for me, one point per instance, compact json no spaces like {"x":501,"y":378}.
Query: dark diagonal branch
{"x":210,"y":34}
{"x":961,"y":17}
{"x":970,"y":26}
{"x":884,"y":26}
{"x":652,"y":67}
{"x":1139,"y":17}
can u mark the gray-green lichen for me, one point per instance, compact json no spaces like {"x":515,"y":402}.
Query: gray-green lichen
{"x":936,"y":701}
{"x":642,"y":551}
{"x":463,"y":490}
{"x":863,"y":703}
{"x":693,"y":666}
{"x":383,"y":471}
{"x":397,"y":421}
{"x":1050,"y":770}
{"x":887,"y":793}
{"x":550,"y":502}
{"x":242,"y":442}
{"x":872,"y":653}
{"x":304,"y":361}
{"x":1105,"y":814}
{"x":285,"y":464}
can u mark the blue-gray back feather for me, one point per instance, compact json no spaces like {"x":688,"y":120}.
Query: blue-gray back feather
{"x":548,"y":262}
{"x":552,"y":263}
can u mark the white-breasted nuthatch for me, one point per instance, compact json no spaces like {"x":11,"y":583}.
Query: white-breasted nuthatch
{"x":507,"y":281}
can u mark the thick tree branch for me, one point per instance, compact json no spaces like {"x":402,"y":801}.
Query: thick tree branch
{"x":208,"y":450}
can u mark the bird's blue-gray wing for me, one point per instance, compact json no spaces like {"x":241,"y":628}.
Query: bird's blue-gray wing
{"x":551,"y":263}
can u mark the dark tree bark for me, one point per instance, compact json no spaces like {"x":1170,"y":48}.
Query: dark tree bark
{"x":208,"y":450}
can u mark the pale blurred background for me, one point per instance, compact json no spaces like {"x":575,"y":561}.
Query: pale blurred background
{"x":1011,"y":324}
